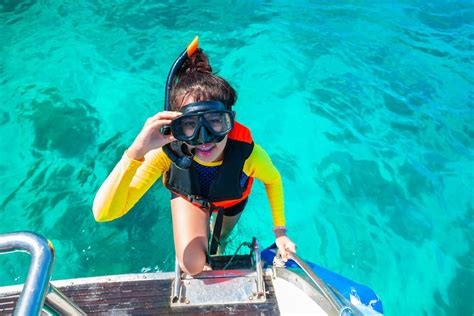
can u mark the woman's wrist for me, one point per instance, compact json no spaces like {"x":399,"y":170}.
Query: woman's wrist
{"x":279,"y":231}
{"x":135,"y":153}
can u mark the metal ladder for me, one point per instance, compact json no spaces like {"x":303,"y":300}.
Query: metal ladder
{"x":38,"y":294}
{"x":218,"y":286}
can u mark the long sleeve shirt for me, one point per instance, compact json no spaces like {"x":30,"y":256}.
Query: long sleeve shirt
{"x":130,"y":179}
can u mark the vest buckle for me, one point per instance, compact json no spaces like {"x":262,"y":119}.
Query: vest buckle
{"x":203,"y":203}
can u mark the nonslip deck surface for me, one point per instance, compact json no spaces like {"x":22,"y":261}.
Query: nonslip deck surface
{"x":144,"y":297}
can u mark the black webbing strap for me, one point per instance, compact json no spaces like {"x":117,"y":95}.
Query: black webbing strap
{"x":216,"y":232}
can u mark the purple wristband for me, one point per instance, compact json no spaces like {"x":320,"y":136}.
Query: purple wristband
{"x":282,"y":228}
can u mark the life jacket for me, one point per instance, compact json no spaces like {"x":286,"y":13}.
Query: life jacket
{"x":225,"y":190}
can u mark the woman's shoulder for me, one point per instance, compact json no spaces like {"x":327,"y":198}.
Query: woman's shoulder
{"x":258,"y":156}
{"x":241,"y":133}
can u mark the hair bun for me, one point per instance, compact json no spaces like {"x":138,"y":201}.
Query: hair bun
{"x":198,"y":62}
{"x":195,"y":79}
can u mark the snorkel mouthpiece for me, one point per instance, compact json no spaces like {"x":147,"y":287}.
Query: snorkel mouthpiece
{"x":179,"y":154}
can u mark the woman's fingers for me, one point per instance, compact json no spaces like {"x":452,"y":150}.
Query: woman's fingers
{"x":159,"y":123}
{"x":291,"y":247}
{"x":155,"y":132}
{"x":286,"y":247}
{"x":165,"y":115}
{"x":150,"y":136}
{"x":289,"y":250}
{"x":168,"y":139}
{"x":162,"y":118}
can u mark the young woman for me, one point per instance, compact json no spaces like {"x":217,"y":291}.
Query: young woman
{"x":208,"y":162}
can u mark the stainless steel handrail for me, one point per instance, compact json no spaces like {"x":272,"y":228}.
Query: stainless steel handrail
{"x":37,"y":286}
{"x":61,"y":303}
{"x":42,"y":259}
{"x":333,"y":299}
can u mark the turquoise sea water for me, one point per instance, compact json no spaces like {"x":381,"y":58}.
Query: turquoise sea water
{"x":366,"y":108}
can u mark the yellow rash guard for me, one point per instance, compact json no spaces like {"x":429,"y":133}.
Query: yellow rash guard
{"x":130,"y":179}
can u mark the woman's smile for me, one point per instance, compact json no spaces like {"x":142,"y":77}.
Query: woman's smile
{"x":210,"y":152}
{"x":205,"y":149}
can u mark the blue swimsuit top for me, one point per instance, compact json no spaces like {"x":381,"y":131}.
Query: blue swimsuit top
{"x":207,"y":175}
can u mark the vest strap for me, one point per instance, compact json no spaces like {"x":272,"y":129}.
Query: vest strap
{"x":216,"y":233}
{"x":201,"y":202}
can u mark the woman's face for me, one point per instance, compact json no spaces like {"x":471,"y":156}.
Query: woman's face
{"x":210,"y":152}
{"x":207,"y":152}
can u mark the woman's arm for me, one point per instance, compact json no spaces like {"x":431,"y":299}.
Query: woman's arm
{"x":127,"y":183}
{"x":140,"y":166}
{"x":260,"y":166}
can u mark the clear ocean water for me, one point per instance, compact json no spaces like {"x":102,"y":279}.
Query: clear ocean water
{"x":366,"y":108}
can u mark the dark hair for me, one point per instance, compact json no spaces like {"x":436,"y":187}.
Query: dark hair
{"x":196,"y":79}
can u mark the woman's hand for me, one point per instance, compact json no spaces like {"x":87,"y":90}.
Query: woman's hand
{"x":150,"y":136}
{"x":285,"y":246}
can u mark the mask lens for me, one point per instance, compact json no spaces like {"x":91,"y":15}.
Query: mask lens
{"x":219,"y":122}
{"x":188,"y":125}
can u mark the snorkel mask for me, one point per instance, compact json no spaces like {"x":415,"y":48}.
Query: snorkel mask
{"x":202,"y":122}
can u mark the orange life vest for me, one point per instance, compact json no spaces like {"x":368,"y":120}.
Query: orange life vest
{"x":225,"y":190}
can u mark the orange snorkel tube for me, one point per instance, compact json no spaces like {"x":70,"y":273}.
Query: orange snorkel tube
{"x":187,"y":53}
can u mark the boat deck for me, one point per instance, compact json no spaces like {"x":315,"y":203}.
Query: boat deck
{"x":138,"y":294}
{"x":236,"y":285}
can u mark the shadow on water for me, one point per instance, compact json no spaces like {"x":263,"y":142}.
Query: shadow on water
{"x":4,"y":118}
{"x":54,"y":198}
{"x":15,"y":6}
{"x":445,"y":16}
{"x":360,"y":181}
{"x":69,"y":127}
{"x":460,"y":288}
{"x":146,"y":15}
